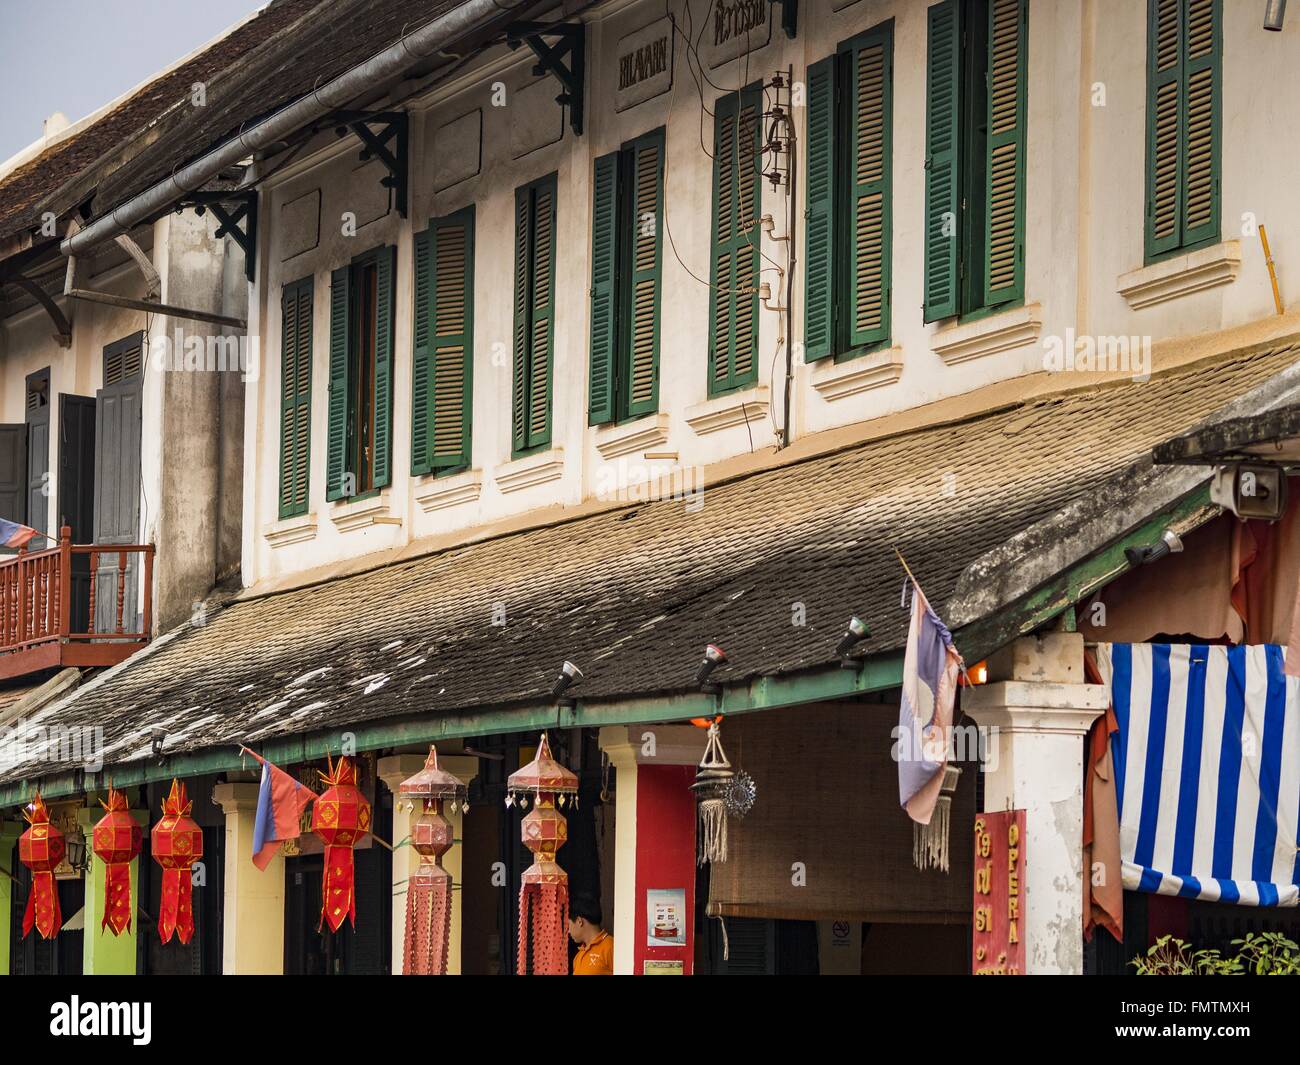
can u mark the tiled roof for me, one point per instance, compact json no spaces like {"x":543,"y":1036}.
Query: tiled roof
{"x":44,"y":182}
{"x":633,"y":594}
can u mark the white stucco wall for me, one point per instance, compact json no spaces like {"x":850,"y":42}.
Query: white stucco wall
{"x":1084,"y":205}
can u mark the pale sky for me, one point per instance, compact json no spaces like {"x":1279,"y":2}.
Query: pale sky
{"x":75,"y":56}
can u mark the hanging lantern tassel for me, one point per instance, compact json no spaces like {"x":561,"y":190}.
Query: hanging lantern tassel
{"x":176,"y":843}
{"x":341,"y":818}
{"x":428,"y":891}
{"x":544,"y":896}
{"x":41,"y":848}
{"x":713,"y":782}
{"x":930,"y":842}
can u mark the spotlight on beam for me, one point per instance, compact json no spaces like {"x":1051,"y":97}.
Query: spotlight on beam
{"x":856,"y":632}
{"x":1168,"y":544}
{"x":714,"y":656}
{"x":569,"y":676}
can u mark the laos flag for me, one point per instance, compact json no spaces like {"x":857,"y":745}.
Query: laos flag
{"x":280,"y":803}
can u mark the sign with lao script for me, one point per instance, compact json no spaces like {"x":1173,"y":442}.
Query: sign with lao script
{"x":998,"y":943}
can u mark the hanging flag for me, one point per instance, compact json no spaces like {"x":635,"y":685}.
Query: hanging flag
{"x":280,"y":803}
{"x":1207,"y":770}
{"x":930,"y":668}
{"x":14,"y":535}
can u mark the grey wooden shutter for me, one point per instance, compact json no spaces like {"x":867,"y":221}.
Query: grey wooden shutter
{"x":117,"y":477}
{"x":38,"y":451}
{"x":13,"y":473}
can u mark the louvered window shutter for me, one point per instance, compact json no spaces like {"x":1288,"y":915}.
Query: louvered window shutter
{"x":642,"y":379}
{"x":453,"y":339}
{"x":422,"y":356}
{"x":295,"y":397}
{"x":819,"y":275}
{"x":1004,"y":215}
{"x":385,"y":278}
{"x":604,"y":295}
{"x":942,"y":125}
{"x":519,"y":361}
{"x":735,"y":268}
{"x":534,"y":313}
{"x":1184,"y":48}
{"x":337,"y":436}
{"x":871,"y":105}
{"x":1201,"y":124}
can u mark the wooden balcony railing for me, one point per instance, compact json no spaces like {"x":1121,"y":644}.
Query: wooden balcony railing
{"x":74,"y":605}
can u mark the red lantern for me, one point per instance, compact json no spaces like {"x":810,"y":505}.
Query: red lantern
{"x":176,"y":843}
{"x":41,"y":848}
{"x":116,"y":842}
{"x":545,"y":890}
{"x":341,"y":818}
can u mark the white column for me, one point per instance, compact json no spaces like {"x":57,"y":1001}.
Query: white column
{"x":253,"y":915}
{"x":392,"y":771}
{"x":1037,"y":711}
{"x":464,"y":766}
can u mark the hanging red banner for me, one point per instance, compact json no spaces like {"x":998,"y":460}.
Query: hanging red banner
{"x":116,"y":842}
{"x":41,"y":848}
{"x":340,"y":817}
{"x":998,"y":941}
{"x":176,"y":843}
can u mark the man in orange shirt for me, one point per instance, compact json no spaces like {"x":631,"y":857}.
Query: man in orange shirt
{"x":595,"y":955}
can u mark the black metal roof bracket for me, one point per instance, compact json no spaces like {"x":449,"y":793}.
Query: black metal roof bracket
{"x":229,"y":209}
{"x":789,"y":16}
{"x":394,"y":128}
{"x":572,"y":46}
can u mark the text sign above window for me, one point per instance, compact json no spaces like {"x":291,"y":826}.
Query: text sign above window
{"x":644,"y":65}
{"x":736,"y":27}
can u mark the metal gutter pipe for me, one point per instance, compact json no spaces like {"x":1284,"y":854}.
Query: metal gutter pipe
{"x":443,"y":31}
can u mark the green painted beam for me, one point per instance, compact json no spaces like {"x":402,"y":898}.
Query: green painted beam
{"x":764,"y":693}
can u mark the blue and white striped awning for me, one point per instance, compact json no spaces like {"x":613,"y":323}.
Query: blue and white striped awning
{"x":1207,"y":769}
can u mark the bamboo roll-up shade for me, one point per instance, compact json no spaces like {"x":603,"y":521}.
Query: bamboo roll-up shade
{"x":828,"y":797}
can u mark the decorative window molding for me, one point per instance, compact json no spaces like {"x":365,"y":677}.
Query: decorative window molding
{"x":735,"y":408}
{"x":531,"y":470}
{"x":362,"y":513}
{"x":437,"y":493}
{"x":1181,"y":275}
{"x":837,"y":380}
{"x":989,"y":335}
{"x":615,"y":440}
{"x":294,"y":530}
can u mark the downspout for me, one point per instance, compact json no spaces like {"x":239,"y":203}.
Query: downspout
{"x":394,"y":60}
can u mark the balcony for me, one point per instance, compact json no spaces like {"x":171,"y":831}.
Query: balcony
{"x":74,"y":605}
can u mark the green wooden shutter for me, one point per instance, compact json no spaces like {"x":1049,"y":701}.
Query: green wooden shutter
{"x":1202,"y":90}
{"x":1004,"y":214}
{"x":542,"y":333}
{"x":534,"y":313}
{"x":942,"y":126}
{"x":519,"y":367}
{"x":453,"y":339}
{"x":382,"y":435}
{"x":604,"y":275}
{"x":295,"y":397}
{"x":422,"y":357}
{"x":1164,"y":159}
{"x":733,"y":310}
{"x":869,"y":187}
{"x":819,"y":274}
{"x":642,"y":378}
{"x":337,"y":436}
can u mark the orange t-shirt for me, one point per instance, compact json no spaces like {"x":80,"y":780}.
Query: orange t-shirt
{"x":596,"y":958}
